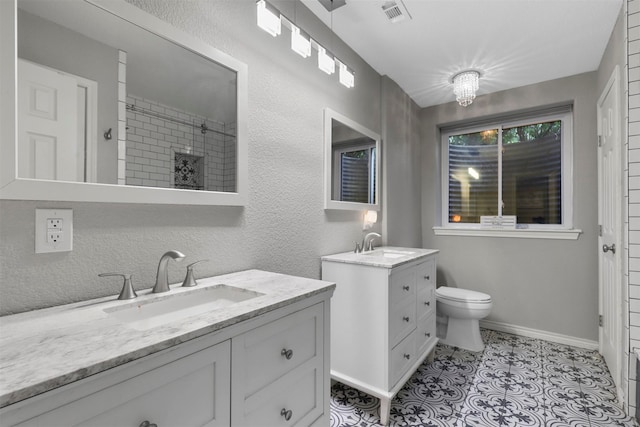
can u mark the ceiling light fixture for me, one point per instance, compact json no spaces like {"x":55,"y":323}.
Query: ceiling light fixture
{"x":465,"y":85}
{"x":271,"y":20}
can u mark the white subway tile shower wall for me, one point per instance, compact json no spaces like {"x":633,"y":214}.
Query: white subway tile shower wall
{"x":152,"y":143}
{"x":632,"y":231}
{"x":122,"y":120}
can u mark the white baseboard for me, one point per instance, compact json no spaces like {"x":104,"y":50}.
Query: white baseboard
{"x":536,"y":333}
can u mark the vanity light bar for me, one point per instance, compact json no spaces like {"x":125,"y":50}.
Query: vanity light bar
{"x":271,"y":20}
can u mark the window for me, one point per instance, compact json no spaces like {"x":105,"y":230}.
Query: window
{"x":356,"y":169}
{"x":515,"y":167}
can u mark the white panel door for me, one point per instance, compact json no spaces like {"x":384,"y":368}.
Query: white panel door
{"x":610,"y":219}
{"x":47,"y":128}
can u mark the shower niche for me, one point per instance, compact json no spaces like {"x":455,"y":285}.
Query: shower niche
{"x":188,"y":171}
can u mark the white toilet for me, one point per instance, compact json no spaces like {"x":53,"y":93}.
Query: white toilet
{"x":459,"y":311}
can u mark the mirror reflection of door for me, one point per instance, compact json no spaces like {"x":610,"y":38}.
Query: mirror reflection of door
{"x":52,"y":124}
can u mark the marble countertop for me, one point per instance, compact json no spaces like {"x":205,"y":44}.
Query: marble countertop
{"x":44,"y":349}
{"x":384,"y":256}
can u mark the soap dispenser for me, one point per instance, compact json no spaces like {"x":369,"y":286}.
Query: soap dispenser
{"x":189,"y":280}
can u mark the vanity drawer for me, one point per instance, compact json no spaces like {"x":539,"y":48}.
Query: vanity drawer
{"x":426,"y":302}
{"x":426,"y":274}
{"x":425,"y":332}
{"x":402,"y":357}
{"x":402,"y":320}
{"x":272,"y":350}
{"x":191,"y":391}
{"x":402,"y":287}
{"x":300,"y":392}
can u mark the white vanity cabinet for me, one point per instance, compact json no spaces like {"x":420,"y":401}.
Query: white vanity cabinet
{"x":383,"y":320}
{"x":270,"y":370}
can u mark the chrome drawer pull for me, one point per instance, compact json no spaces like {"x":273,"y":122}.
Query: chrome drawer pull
{"x":407,"y":356}
{"x":286,"y":413}
{"x":405,"y":318}
{"x":427,"y":334}
{"x":427,"y":277}
{"x":288,"y":354}
{"x":146,"y":423}
{"x":406,"y":288}
{"x":427,"y":303}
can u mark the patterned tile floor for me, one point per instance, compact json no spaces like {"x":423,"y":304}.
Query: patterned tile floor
{"x":516,"y":381}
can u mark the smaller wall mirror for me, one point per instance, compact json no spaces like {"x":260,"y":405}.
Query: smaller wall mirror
{"x":352,"y":164}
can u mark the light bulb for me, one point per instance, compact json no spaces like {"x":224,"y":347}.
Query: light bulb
{"x":267,"y":20}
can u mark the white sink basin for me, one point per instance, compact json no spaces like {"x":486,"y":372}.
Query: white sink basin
{"x":143,"y":315}
{"x":389,"y":253}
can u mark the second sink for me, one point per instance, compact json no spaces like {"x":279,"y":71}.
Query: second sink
{"x":389,"y":253}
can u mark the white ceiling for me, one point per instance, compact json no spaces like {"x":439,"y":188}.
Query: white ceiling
{"x":511,"y":42}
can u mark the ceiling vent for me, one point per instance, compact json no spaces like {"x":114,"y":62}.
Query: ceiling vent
{"x":395,"y":11}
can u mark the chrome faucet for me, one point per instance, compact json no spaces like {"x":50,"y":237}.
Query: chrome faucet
{"x":162,"y":278}
{"x":367,"y":244}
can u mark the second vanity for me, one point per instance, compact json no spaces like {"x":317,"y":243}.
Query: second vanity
{"x":260,"y":359}
{"x":383,"y":318}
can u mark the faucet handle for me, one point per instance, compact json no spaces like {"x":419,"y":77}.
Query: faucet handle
{"x":127,"y":291}
{"x":358,"y":249}
{"x":189,"y":280}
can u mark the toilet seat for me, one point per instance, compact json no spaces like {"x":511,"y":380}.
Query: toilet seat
{"x":461,"y":295}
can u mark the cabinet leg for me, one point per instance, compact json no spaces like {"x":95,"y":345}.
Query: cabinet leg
{"x":385,"y":409}
{"x":431,"y":357}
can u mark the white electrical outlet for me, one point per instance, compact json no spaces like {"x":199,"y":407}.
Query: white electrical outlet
{"x":54,"y":230}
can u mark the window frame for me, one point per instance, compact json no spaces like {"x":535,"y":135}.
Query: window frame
{"x":372,"y":161}
{"x":565,"y":115}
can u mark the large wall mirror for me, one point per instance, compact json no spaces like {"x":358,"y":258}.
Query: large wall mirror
{"x":352,"y":164}
{"x":112,"y":104}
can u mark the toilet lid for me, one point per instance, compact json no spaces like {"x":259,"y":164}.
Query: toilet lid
{"x":458,"y":294}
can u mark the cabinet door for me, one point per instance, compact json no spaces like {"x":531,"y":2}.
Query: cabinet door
{"x":293,"y":400}
{"x":425,"y":333}
{"x":426,"y":274}
{"x":402,"y":320}
{"x":402,"y":357}
{"x":426,"y":302}
{"x":279,"y":367}
{"x":191,"y":391}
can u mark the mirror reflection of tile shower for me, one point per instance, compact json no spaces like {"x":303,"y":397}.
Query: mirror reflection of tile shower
{"x":171,"y":148}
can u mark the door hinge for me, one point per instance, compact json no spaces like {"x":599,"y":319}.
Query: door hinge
{"x":600,"y":322}
{"x":599,"y":140}
{"x":600,"y":230}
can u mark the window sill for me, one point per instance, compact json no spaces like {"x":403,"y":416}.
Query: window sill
{"x":572,"y":234}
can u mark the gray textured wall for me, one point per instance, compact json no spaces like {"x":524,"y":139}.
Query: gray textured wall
{"x":549,"y":285}
{"x":284,"y":227}
{"x":401,"y":173}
